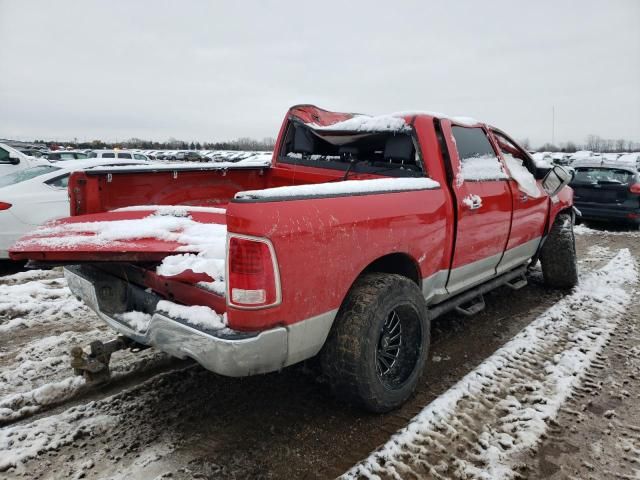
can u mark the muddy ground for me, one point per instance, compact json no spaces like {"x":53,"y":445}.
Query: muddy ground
{"x":176,"y":420}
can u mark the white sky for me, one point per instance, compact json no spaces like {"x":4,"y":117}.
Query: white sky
{"x":213,"y":70}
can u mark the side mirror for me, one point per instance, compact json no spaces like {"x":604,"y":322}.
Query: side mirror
{"x":13,"y":159}
{"x":556,"y":179}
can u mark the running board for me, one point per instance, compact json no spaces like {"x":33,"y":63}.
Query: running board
{"x":517,"y":283}
{"x":514,"y":279}
{"x":476,"y":305}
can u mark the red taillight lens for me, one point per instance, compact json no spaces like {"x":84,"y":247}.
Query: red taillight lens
{"x":635,"y":188}
{"x":252,"y":277}
{"x":5,"y":206}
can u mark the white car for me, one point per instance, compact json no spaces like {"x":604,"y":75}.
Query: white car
{"x":12,"y":160}
{"x":35,"y":195}
{"x":120,"y":154}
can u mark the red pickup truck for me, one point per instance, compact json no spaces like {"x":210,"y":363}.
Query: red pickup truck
{"x":360,"y":232}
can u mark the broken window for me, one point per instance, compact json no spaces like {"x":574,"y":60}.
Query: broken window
{"x":385,"y":153}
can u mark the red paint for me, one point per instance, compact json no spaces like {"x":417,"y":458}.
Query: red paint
{"x":322,"y":245}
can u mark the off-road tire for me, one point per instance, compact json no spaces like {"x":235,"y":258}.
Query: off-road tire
{"x":351,"y":359}
{"x":558,"y":254}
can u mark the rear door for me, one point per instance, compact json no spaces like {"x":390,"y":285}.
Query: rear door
{"x":530,"y":204}
{"x":483,"y":203}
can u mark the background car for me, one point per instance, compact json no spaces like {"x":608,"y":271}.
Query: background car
{"x":120,"y":154}
{"x":189,"y":156}
{"x":65,"y":155}
{"x":607,"y":191}
{"x":35,"y":195}
{"x":12,"y":160}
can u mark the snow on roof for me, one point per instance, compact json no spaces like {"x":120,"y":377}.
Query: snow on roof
{"x":366,"y":123}
{"x":582,"y":154}
{"x":376,"y":185}
{"x":603,"y":162}
{"x":392,"y":122}
{"x":459,"y":119}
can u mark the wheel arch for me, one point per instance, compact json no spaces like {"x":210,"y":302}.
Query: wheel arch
{"x":398,"y":263}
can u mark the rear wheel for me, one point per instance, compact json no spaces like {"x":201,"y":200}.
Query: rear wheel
{"x":376,"y":351}
{"x":558,"y":254}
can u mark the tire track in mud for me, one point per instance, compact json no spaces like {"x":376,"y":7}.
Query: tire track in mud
{"x":597,"y":433}
{"x":498,"y":412}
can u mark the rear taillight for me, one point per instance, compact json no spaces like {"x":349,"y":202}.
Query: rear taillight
{"x":5,"y":206}
{"x":252,"y":273}
{"x":635,"y":188}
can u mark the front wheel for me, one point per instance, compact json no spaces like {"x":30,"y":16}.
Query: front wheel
{"x":558,"y":254}
{"x":377,"y":348}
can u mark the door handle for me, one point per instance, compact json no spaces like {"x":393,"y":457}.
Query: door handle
{"x":524,"y":197}
{"x":474,"y":204}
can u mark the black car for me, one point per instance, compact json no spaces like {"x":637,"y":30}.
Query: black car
{"x":606,"y":191}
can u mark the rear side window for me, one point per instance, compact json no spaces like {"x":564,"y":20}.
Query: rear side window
{"x":4,"y":156}
{"x":603,"y":175}
{"x":109,"y":155}
{"x":27,"y":174}
{"x":60,"y":182}
{"x":478,"y":159}
{"x":124,"y":155}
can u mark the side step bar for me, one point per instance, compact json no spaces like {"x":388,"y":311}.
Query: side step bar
{"x":472,"y":301}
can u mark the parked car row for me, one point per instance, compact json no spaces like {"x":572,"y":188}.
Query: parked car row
{"x":563,"y":158}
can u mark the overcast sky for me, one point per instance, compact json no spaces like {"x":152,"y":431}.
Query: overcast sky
{"x":214,"y":70}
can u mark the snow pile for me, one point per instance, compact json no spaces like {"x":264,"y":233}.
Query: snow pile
{"x":483,"y":425}
{"x":472,"y":201}
{"x":482,"y":167}
{"x":457,"y":119}
{"x":584,"y":230}
{"x":523,"y":177}
{"x":23,"y":442}
{"x":196,"y":315}
{"x":138,"y":321}
{"x":542,"y":159}
{"x":366,"y":123}
{"x":376,"y":185}
{"x":25,"y":305}
{"x":207,"y":239}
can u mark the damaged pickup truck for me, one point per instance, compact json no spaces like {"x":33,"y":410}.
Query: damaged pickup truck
{"x":359,"y":232}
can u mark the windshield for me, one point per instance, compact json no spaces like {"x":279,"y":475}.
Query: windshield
{"x":27,"y":174}
{"x":602,"y":175}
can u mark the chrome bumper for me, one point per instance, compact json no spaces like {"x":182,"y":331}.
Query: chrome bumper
{"x":225,"y":351}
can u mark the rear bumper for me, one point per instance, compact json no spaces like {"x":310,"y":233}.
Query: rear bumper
{"x":225,"y":351}
{"x":605,"y":213}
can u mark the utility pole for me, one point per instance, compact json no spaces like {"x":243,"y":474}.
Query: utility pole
{"x":553,"y":125}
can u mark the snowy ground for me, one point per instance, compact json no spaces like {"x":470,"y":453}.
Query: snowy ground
{"x":542,"y":384}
